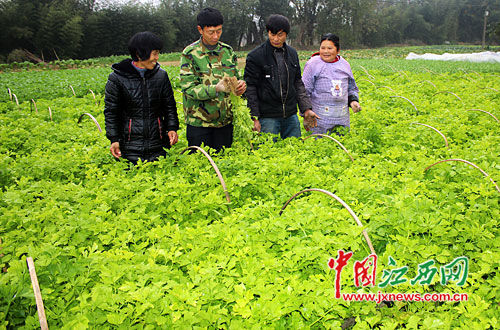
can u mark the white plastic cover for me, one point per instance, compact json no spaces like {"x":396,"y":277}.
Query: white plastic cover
{"x":472,"y":57}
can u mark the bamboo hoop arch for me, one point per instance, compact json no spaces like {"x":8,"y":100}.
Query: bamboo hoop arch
{"x":93,"y":95}
{"x":400,"y":74}
{"x":371,"y":82}
{"x":10,"y":93}
{"x":391,"y":67}
{"x":442,"y":135}
{"x":448,"y":92}
{"x":467,"y":162}
{"x":427,"y":81}
{"x":221,"y":179}
{"x":430,"y":71}
{"x":93,"y":119}
{"x":15,"y":97}
{"x":72,"y":90}
{"x":33,"y":103}
{"x":366,"y":71}
{"x":387,"y":88}
{"x":331,"y":138}
{"x":408,"y":101}
{"x":50,"y":113}
{"x":489,"y":113}
{"x":403,"y":73}
{"x":353,"y":215}
{"x":470,"y":78}
{"x":477,"y":73}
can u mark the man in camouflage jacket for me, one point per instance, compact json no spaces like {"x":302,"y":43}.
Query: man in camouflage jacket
{"x":206,"y":99}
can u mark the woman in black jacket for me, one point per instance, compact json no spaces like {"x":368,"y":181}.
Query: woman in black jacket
{"x":140,"y":110}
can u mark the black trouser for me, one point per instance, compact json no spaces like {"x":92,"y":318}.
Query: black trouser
{"x":214,"y":137}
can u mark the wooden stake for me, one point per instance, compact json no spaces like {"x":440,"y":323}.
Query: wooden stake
{"x":38,"y":295}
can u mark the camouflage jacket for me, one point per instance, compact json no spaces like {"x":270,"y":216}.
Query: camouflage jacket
{"x":201,"y":70}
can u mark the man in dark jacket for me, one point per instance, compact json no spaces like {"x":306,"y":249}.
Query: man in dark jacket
{"x":274,"y":84}
{"x":140,"y":110}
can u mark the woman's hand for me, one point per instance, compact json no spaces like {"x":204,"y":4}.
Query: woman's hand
{"x":310,"y":119}
{"x":115,"y":150}
{"x":173,"y":137}
{"x":355,"y":106}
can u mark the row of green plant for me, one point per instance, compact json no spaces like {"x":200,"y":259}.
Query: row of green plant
{"x":158,"y":245}
{"x":374,"y":53}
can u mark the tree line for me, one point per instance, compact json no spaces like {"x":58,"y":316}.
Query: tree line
{"x":79,"y":29}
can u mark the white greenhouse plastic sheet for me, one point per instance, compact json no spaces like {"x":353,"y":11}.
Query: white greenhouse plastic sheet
{"x":472,"y":57}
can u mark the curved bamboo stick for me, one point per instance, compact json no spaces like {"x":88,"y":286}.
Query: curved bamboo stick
{"x":430,"y":71}
{"x":467,"y":162}
{"x":72,"y":90}
{"x":10,"y":93}
{"x":442,"y":135}
{"x":371,"y":82}
{"x":50,"y":113}
{"x":15,"y":97}
{"x":448,"y":92}
{"x":408,"y":101}
{"x":391,"y":67}
{"x":33,"y":103}
{"x":366,"y":71}
{"x":93,"y":95}
{"x":353,"y":215}
{"x":427,"y":81}
{"x":496,"y":90}
{"x":387,"y":88}
{"x":331,"y":138}
{"x":93,"y":119}
{"x":221,"y":179}
{"x":485,"y":112}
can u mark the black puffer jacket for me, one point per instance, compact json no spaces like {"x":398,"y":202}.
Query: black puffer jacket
{"x":139,"y":111}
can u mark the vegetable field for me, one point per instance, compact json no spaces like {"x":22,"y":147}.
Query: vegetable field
{"x":160,"y":245}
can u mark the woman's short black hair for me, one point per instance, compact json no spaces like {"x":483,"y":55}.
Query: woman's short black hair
{"x":333,"y":38}
{"x":142,"y":44}
{"x":276,"y":23}
{"x":209,"y":17}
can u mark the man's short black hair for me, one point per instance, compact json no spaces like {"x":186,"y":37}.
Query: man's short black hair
{"x":276,"y":23}
{"x":209,"y":17}
{"x":142,"y":44}
{"x":333,"y":38}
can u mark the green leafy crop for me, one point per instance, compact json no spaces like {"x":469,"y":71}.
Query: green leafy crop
{"x":158,"y":246}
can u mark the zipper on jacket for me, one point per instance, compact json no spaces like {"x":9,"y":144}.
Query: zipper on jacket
{"x":159,"y":127}
{"x":129,"y":128}
{"x":288,"y":81}
{"x":145,"y":114}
